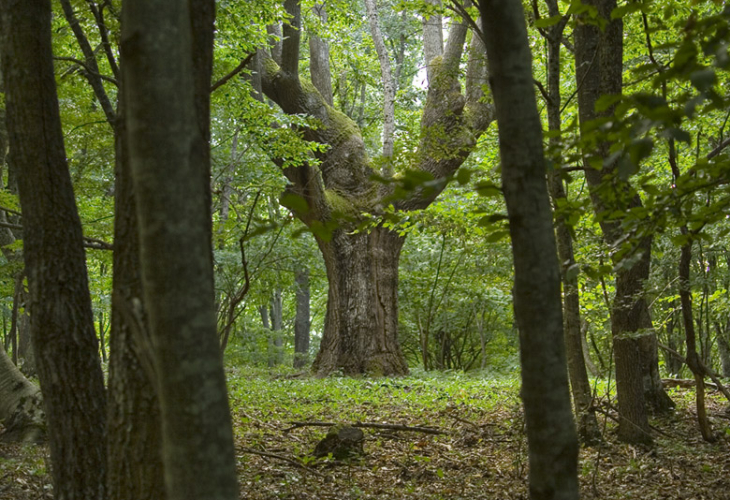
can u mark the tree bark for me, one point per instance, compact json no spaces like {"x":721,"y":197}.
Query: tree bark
{"x":723,"y":347}
{"x":599,"y":67}
{"x":62,"y":325}
{"x":319,"y":59}
{"x":551,"y":436}
{"x":582,"y":398}
{"x":166,"y":48}
{"x":277,"y":327}
{"x":386,"y":78}
{"x":685,"y":297}
{"x":21,"y":405}
{"x":301,"y":321}
{"x":360,"y":331}
{"x":136,"y":470}
{"x":341,"y":188}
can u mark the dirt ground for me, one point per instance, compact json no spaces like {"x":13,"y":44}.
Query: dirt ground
{"x":481,"y":455}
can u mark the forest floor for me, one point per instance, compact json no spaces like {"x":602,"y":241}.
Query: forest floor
{"x":482,"y":453}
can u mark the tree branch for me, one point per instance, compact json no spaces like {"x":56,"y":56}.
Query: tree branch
{"x":388,"y":85}
{"x":92,"y":73}
{"x":718,"y":149}
{"x":433,"y":39}
{"x":244,"y":62}
{"x":89,"y":242}
{"x":104,"y":33}
{"x":367,"y":425}
{"x":292,"y":36}
{"x":281,"y":457}
{"x":87,"y":69}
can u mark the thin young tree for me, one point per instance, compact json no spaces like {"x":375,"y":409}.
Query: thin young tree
{"x":62,"y":326}
{"x":169,"y":156}
{"x":580,"y":385}
{"x":551,"y":435}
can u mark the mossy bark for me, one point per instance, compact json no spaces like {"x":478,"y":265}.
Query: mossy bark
{"x":360,"y":332}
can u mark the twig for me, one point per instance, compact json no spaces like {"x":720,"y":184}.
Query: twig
{"x":92,"y":243}
{"x":87,"y":69}
{"x":543,"y":91}
{"x":233,"y":73}
{"x":718,"y":149}
{"x":366,"y":425}
{"x":280,"y":457}
{"x":615,"y":419}
{"x":10,"y":211}
{"x":707,"y":371}
{"x":465,"y":421}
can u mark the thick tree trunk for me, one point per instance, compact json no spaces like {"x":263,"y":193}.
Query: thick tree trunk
{"x":551,"y":436}
{"x":62,"y":325}
{"x":136,"y":471}
{"x":360,"y":330}
{"x":166,"y":73}
{"x":301,"y":322}
{"x":599,"y":67}
{"x":21,"y":405}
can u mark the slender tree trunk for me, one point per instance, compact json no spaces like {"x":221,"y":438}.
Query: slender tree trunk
{"x":166,"y":48}
{"x":685,"y":297}
{"x":582,"y":398}
{"x":362,"y":314}
{"x":277,"y":327}
{"x":551,"y":436}
{"x":301,"y":322}
{"x":62,"y":324}
{"x":723,"y":347}
{"x":266,"y":324}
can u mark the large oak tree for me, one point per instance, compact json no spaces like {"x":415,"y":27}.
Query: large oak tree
{"x":361,"y":323}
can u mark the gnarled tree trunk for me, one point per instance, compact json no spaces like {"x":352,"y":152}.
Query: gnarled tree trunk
{"x":360,"y":332}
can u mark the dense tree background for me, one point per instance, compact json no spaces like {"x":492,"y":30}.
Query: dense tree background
{"x":638,"y":182}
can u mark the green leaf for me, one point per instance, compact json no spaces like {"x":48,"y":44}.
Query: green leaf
{"x":703,"y":79}
{"x":488,"y":189}
{"x":679,"y":134}
{"x":294,"y":202}
{"x":463,"y":175}
{"x":572,"y":272}
{"x":547,"y":22}
{"x":496,"y":236}
{"x":628,"y":8}
{"x":488,"y":220}
{"x":606,"y":101}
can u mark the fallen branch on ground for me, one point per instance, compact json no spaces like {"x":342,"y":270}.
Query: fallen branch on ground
{"x":281,"y":457}
{"x":366,"y":425}
{"x":685,"y":383}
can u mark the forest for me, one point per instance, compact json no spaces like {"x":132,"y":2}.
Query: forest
{"x":359,"y":249}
